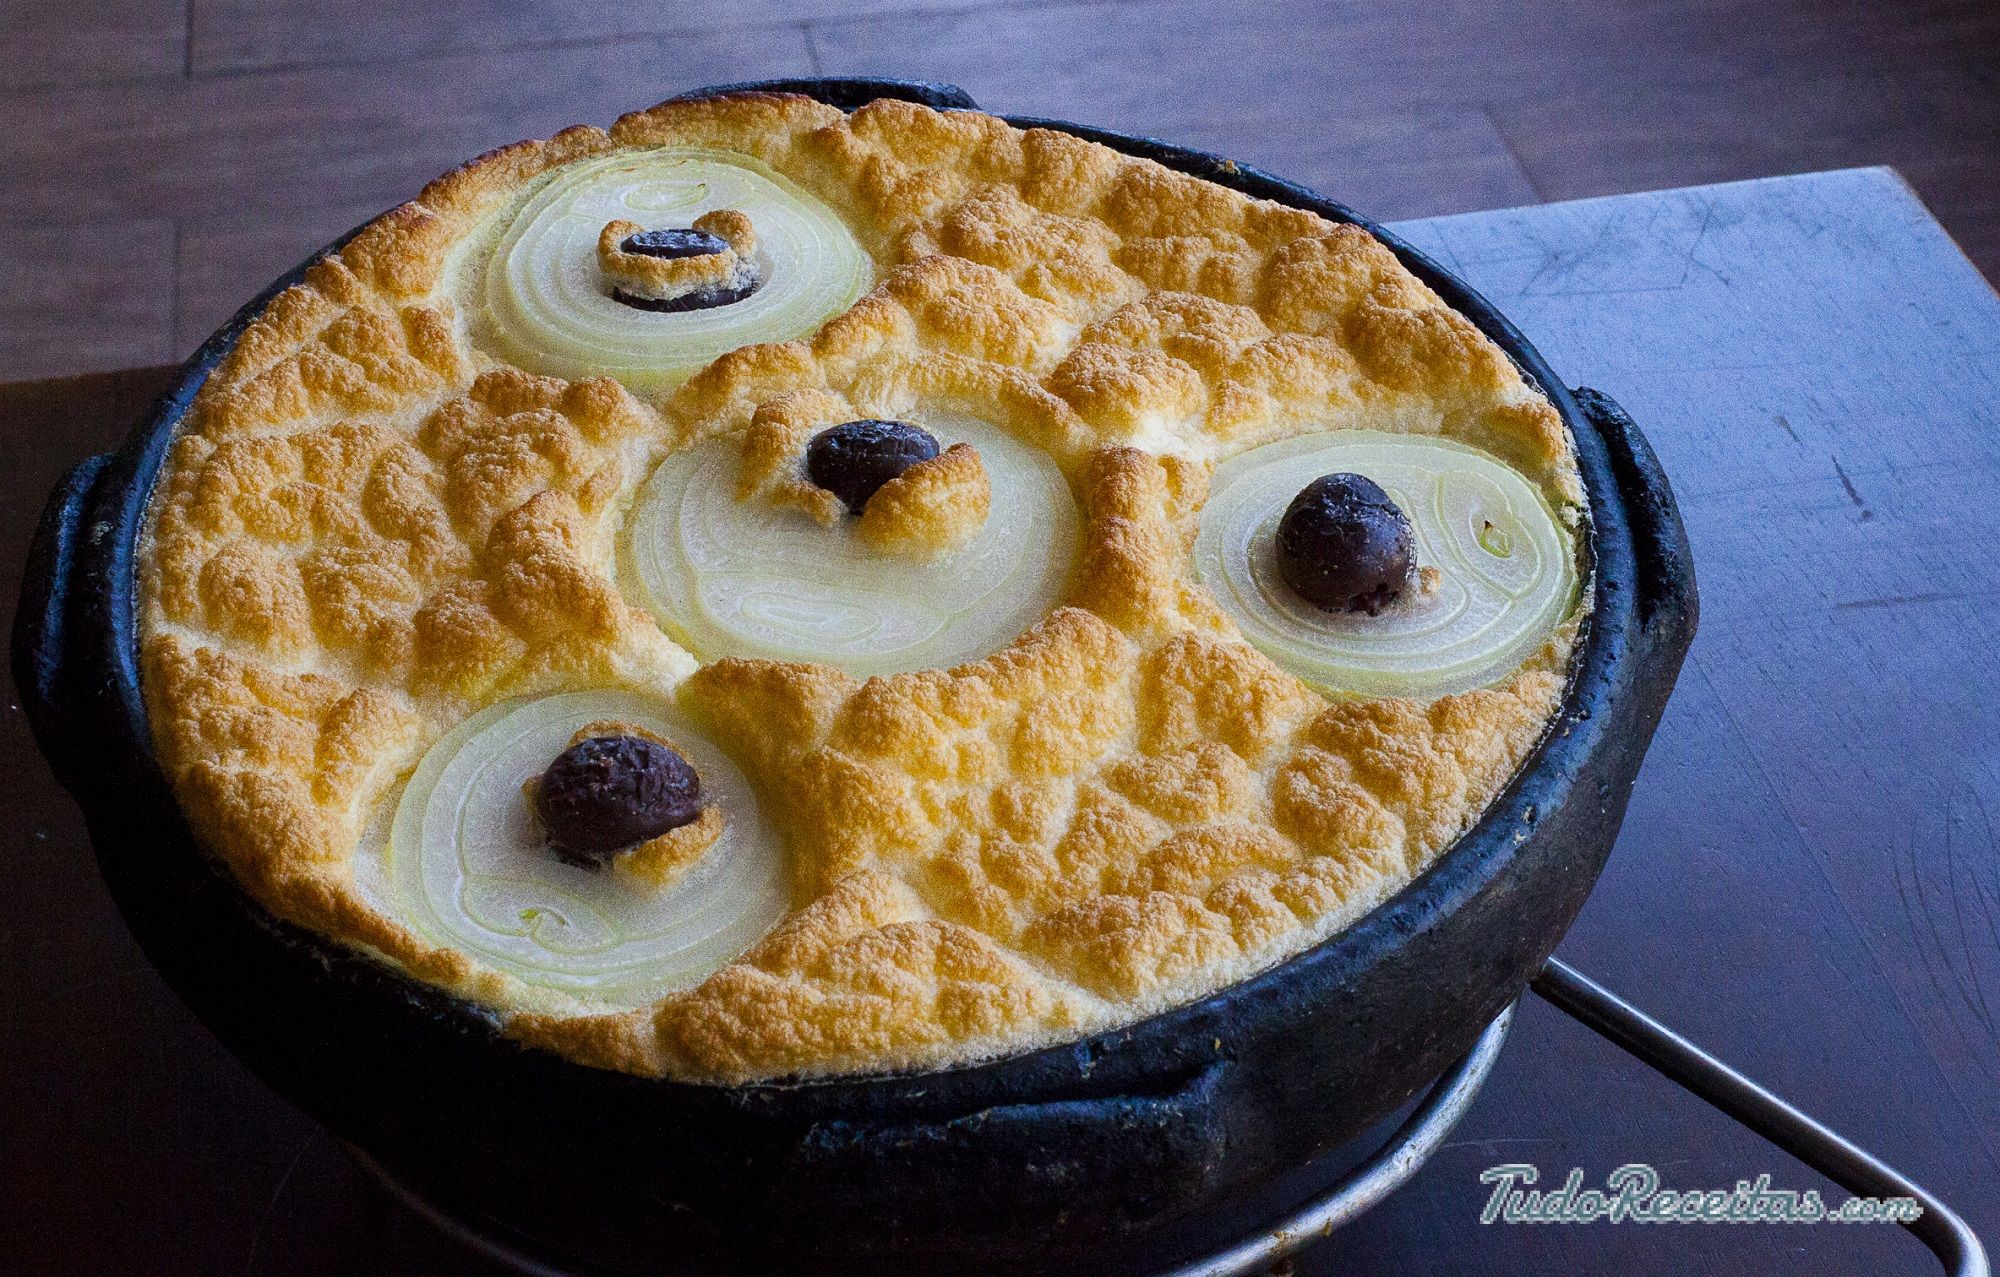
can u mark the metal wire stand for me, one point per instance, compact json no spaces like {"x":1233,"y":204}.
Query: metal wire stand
{"x":1825,"y":1150}
{"x":1404,"y":1153}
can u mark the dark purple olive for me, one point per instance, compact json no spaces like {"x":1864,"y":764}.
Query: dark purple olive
{"x":676,"y":241}
{"x":1344,"y":546}
{"x":851,"y":461}
{"x":608,"y":793}
{"x":699,"y":299}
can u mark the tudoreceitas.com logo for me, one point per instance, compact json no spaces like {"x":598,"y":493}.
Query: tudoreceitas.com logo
{"x":1634,"y":1194}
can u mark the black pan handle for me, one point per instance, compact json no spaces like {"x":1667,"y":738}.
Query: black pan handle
{"x":849,"y":92}
{"x":41,"y":620}
{"x":1669,"y":604}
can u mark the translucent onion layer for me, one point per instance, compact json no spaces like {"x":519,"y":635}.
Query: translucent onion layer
{"x":467,"y":868}
{"x":750,"y":578}
{"x":549,"y":310}
{"x":1507,"y":565}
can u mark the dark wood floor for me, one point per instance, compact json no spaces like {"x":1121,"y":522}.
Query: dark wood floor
{"x":165,"y":159}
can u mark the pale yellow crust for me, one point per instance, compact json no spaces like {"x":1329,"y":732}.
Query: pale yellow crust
{"x":370,"y":528}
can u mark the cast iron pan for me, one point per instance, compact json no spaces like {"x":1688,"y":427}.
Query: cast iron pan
{"x":1118,"y":1153}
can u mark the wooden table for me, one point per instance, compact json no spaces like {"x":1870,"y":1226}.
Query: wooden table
{"x":1808,"y":882}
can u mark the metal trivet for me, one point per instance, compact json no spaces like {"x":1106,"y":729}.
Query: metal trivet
{"x":1399,"y":1158}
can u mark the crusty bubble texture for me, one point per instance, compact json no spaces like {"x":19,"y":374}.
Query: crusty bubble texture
{"x":379,"y":525}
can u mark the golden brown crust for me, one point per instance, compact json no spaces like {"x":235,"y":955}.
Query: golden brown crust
{"x":659,"y":861}
{"x":932,"y":508}
{"x":369,"y":528}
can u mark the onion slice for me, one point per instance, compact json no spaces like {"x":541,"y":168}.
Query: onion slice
{"x":548,"y":308}
{"x":752,"y":578}
{"x":466,"y":867}
{"x":1507,"y":567}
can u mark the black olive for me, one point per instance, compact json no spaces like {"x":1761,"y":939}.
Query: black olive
{"x":675,"y":241}
{"x":607,"y":793}
{"x":1344,"y":546}
{"x":853,"y":460}
{"x":699,"y":299}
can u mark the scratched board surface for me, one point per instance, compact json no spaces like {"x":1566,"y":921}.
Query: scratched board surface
{"x":1807,"y":882}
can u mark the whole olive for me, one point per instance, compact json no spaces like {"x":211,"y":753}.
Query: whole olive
{"x":853,"y":460}
{"x":1343,"y":545}
{"x":607,"y":793}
